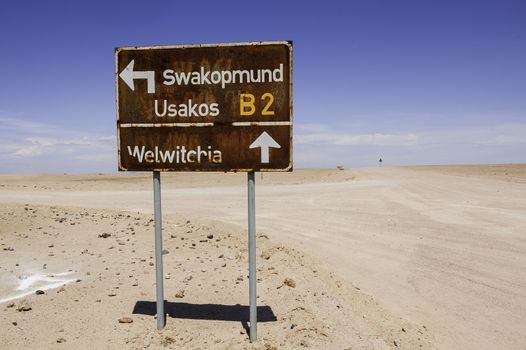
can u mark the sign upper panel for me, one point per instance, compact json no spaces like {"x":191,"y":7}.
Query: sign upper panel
{"x":234,"y":99}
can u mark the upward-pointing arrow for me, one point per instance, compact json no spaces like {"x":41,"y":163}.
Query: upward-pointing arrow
{"x":128,"y":75}
{"x":264,"y":141}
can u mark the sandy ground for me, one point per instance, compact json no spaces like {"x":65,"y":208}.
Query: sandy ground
{"x":424,"y":257}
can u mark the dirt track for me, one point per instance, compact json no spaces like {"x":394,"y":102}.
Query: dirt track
{"x":439,"y":247}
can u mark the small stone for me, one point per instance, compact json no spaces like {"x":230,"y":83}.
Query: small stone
{"x":266,"y":255}
{"x":179,"y":294}
{"x":10,"y":305}
{"x":14,"y":323}
{"x":223,"y":265}
{"x":210,"y":236}
{"x":221,"y":256}
{"x":240,"y":278}
{"x":289,"y":282}
{"x":61,"y":340}
{"x":187,"y":279}
{"x":24,"y":306}
{"x":167,"y":341}
{"x":165,"y":251}
{"x":104,"y":235}
{"x":397,"y":343}
{"x":125,"y":320}
{"x":39,"y":292}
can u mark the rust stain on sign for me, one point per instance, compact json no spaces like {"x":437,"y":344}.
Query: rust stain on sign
{"x":220,"y":107}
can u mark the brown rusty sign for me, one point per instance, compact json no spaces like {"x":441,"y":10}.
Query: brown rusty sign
{"x":214,"y":107}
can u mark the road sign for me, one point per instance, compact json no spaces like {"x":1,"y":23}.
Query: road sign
{"x":217,"y":107}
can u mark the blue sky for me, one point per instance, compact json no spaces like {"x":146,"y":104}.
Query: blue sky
{"x":413,"y":82}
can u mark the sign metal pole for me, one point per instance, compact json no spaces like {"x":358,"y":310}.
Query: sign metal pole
{"x":158,"y":249}
{"x":252,"y":254}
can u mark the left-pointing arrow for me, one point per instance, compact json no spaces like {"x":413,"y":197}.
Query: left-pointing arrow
{"x":128,"y":75}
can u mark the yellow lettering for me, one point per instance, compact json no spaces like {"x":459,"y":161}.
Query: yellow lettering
{"x":269,"y":103}
{"x":246,"y":101}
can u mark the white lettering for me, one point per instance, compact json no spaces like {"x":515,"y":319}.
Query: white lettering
{"x":136,"y":153}
{"x":189,"y":155}
{"x":178,"y":155}
{"x":167,"y":156}
{"x":204,"y":76}
{"x":223,"y":77}
{"x":214,"y":109}
{"x":156,"y":108}
{"x":190,"y":109}
{"x":168,"y":77}
{"x":215,"y":77}
{"x":182,"y":78}
{"x":148,"y":157}
{"x":277,"y":75}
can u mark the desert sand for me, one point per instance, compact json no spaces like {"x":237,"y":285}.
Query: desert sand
{"x":415,"y":257}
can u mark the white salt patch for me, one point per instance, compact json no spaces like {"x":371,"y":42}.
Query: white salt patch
{"x":30,"y":284}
